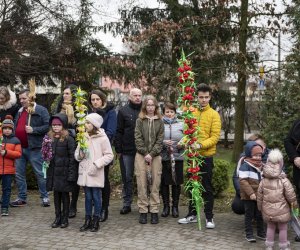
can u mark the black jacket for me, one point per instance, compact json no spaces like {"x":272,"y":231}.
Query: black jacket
{"x":292,"y":148}
{"x":126,"y":120}
{"x":62,"y":173}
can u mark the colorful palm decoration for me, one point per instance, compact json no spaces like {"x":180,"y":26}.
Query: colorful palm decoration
{"x":187,"y":100}
{"x":81,"y":110}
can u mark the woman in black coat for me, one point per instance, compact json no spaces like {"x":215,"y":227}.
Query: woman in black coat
{"x":62,"y":172}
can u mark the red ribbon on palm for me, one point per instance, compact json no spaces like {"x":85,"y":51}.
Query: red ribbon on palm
{"x":188,"y":101}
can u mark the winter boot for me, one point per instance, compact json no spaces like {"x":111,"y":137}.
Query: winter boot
{"x":57,"y":221}
{"x":87,"y":223}
{"x":284,"y":246}
{"x":175,"y":200}
{"x":269,"y":245}
{"x":95,"y":224}
{"x":104,"y":214}
{"x":165,"y":193}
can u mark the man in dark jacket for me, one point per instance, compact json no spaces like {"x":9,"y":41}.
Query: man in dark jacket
{"x":125,"y":145}
{"x":31,"y":137}
{"x":292,"y":148}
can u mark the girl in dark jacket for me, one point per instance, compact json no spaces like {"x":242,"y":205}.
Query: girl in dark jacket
{"x":98,"y":104}
{"x":62,"y":172}
{"x":66,"y":106}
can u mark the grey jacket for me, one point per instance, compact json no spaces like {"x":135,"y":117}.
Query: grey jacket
{"x":174,"y":132}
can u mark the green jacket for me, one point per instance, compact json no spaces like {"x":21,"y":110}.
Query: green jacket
{"x":149,"y":135}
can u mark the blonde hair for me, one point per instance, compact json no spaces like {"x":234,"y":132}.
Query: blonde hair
{"x":143,"y":112}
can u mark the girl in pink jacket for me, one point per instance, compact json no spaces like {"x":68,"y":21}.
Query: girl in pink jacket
{"x":274,"y":199}
{"x":91,"y":169}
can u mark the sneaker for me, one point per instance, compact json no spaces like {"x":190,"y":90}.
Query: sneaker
{"x":250,"y":239}
{"x":261,"y":236}
{"x":210,"y":224}
{"x":18,"y":203}
{"x":4,"y":212}
{"x":46,"y":202}
{"x":188,"y":219}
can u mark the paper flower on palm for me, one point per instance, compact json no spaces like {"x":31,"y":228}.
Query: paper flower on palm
{"x":81,"y":109}
{"x":47,"y":153}
{"x":188,"y":102}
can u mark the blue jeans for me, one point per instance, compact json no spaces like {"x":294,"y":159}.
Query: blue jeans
{"x":92,"y":194}
{"x":127,"y":170}
{"x":6,"y":189}
{"x":36,"y":161}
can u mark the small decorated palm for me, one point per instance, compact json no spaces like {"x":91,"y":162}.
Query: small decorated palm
{"x":47,"y":153}
{"x":188,"y":102}
{"x":81,"y":110}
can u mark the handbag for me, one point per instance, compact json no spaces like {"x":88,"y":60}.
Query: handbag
{"x":295,"y":221}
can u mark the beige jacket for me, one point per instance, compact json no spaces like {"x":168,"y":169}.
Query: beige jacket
{"x":275,"y":194}
{"x":91,"y":168}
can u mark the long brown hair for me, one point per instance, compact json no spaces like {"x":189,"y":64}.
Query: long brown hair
{"x":143,"y":112}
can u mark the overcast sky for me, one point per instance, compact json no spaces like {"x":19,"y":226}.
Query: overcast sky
{"x":107,"y":11}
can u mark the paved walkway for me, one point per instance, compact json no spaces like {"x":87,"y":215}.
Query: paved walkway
{"x":29,"y":228}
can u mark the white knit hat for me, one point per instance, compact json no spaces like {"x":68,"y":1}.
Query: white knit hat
{"x":95,"y":119}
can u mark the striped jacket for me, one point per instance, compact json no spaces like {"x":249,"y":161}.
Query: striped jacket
{"x":13,"y":151}
{"x":249,"y":175}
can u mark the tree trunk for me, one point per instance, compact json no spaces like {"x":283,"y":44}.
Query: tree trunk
{"x":241,"y":87}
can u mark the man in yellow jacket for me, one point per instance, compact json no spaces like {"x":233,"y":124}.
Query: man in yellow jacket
{"x":210,"y":127}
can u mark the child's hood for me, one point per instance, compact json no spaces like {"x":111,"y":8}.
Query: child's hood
{"x":272,"y":170}
{"x":248,"y":148}
{"x":62,"y":117}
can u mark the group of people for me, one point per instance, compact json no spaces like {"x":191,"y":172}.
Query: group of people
{"x":147,"y":144}
{"x":263,"y":191}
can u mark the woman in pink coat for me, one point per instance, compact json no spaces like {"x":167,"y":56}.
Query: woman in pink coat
{"x":91,"y":169}
{"x":274,"y":199}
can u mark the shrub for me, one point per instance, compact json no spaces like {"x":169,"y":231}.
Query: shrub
{"x":220,"y":180}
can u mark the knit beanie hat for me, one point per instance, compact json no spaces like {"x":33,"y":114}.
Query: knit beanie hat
{"x":8,"y":122}
{"x":257,"y":149}
{"x":56,"y":121}
{"x":95,"y":119}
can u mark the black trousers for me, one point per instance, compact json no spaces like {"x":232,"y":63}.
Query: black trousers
{"x":208,"y":196}
{"x":61,"y":198}
{"x":106,"y":188}
{"x":252,"y":212}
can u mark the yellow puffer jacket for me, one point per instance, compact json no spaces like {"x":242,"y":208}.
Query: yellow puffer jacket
{"x":210,"y":129}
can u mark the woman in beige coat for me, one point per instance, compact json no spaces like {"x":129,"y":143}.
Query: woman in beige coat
{"x":91,"y":169}
{"x":274,"y":199}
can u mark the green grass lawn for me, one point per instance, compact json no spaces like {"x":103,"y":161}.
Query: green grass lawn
{"x":223,"y":202}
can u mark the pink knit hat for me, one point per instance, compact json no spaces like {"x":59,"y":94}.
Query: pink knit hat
{"x":56,"y":121}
